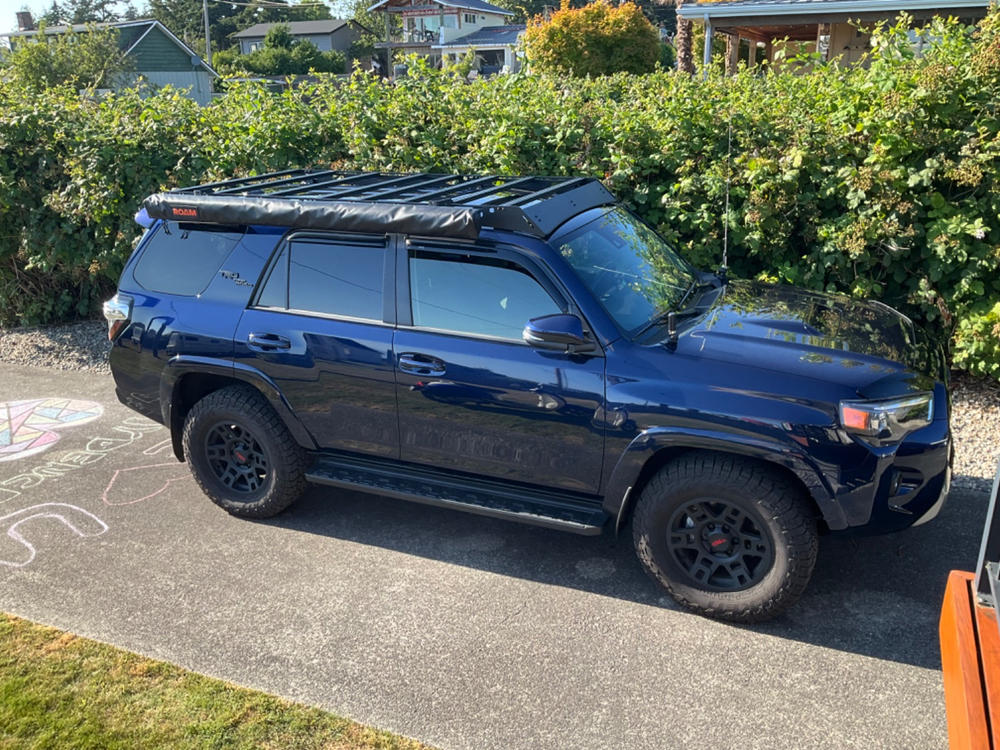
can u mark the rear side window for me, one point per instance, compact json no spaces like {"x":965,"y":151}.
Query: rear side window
{"x":327,"y":277}
{"x":183,"y":260}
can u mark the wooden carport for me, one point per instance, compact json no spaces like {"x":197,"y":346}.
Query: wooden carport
{"x":825,"y":22}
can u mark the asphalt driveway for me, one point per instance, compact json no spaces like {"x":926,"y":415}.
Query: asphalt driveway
{"x":462,"y":631}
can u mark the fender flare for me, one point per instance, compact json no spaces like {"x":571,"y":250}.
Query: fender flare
{"x":619,"y":495}
{"x":181,"y":365}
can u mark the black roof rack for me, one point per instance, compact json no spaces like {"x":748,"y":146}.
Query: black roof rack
{"x":425,"y":204}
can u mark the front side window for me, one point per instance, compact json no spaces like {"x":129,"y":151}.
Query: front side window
{"x":181,"y":259}
{"x":329,"y":278}
{"x":475,"y":296}
{"x":627,"y":267}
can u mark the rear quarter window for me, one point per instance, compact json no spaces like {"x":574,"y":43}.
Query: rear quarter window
{"x":180,"y":259}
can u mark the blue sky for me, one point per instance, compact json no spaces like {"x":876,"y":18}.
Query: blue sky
{"x":7,"y":10}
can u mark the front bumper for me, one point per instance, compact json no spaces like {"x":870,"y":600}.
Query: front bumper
{"x":899,"y":486}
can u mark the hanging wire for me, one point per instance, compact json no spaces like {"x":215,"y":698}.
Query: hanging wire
{"x":725,"y":220}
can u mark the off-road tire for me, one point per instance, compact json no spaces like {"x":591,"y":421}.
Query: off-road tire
{"x":243,"y":406}
{"x":765,"y":495}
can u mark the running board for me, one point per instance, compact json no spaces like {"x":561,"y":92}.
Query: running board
{"x":553,"y":510}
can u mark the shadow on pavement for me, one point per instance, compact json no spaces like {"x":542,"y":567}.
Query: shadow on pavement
{"x":878,"y":596}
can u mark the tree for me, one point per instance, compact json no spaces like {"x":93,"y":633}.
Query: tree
{"x":597,"y":39}
{"x":86,"y":60}
{"x":54,"y":15}
{"x":280,"y":37}
{"x":685,"y":57}
{"x":89,"y":11}
{"x":526,"y":9}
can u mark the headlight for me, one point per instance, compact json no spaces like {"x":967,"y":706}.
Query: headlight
{"x":887,"y":420}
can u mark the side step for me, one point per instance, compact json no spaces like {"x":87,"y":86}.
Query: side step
{"x":553,"y":510}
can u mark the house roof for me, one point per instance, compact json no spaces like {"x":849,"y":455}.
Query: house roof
{"x":489,"y":36}
{"x":296,"y":28}
{"x":733,"y":8}
{"x":138,"y":31}
{"x":478,"y":5}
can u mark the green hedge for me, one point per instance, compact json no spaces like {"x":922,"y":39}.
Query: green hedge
{"x":879,"y":182}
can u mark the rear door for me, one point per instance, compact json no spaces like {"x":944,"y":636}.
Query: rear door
{"x":473,"y":397}
{"x":320,"y":326}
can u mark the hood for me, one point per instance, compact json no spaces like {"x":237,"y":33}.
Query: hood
{"x":825,"y":336}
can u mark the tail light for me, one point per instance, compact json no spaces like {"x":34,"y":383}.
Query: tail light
{"x":118,"y":312}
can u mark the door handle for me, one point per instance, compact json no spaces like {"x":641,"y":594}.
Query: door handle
{"x":421,"y":364}
{"x":267,"y":342}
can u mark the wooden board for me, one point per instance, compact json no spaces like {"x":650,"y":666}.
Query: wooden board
{"x":964,"y":691}
{"x":989,"y":659}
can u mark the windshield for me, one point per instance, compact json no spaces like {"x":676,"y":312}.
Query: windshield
{"x":626,"y":266}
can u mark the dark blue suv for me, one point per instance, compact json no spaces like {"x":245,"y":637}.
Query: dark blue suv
{"x":524,"y":348}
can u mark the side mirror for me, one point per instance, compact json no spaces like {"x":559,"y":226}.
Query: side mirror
{"x":560,"y":332}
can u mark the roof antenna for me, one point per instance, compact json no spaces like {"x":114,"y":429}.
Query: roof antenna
{"x":724,"y":268}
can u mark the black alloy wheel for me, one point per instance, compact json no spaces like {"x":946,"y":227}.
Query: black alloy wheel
{"x":719,"y":545}
{"x":236,"y":457}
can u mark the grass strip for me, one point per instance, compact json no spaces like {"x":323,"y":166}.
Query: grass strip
{"x":58,"y":690}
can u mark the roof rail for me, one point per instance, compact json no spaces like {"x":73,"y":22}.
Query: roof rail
{"x":423,"y":204}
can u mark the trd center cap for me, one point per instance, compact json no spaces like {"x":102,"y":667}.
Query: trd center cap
{"x":718,"y":543}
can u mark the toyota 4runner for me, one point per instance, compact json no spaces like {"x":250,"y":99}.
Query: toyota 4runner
{"x":524,"y":348}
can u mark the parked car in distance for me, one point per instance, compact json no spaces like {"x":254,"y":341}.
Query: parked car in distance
{"x":525,"y":348}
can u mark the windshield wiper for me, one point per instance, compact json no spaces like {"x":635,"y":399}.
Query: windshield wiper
{"x":661,"y":317}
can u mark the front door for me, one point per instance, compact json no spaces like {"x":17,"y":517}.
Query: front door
{"x":319,"y":330}
{"x":473,"y":397}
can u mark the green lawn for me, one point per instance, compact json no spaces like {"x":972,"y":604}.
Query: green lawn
{"x":61,"y":691}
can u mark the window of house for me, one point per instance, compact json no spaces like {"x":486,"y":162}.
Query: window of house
{"x":477,"y":296}
{"x":469,"y":18}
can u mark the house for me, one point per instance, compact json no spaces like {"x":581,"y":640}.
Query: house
{"x":330,"y":34}
{"x":425,"y":26}
{"x":823,"y":26}
{"x":495,"y":48}
{"x":156,"y":55}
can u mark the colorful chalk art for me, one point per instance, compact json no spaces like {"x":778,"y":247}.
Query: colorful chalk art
{"x":30,"y":427}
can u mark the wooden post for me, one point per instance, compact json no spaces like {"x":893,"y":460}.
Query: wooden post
{"x":732,"y":53}
{"x":752,"y":53}
{"x":388,"y":44}
{"x":682,"y":40}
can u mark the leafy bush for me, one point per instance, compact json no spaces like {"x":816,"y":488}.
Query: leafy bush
{"x":879,"y":183}
{"x":595,"y":40}
{"x":90,"y":59}
{"x":977,"y":343}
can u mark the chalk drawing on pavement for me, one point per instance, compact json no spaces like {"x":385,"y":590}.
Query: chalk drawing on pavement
{"x":30,"y":427}
{"x":125,"y":488}
{"x":158,"y":448}
{"x":131,"y":430}
{"x":80,"y":522}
